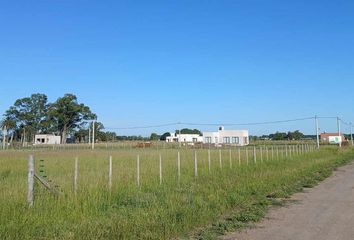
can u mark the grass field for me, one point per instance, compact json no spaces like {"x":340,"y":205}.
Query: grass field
{"x":223,"y":198}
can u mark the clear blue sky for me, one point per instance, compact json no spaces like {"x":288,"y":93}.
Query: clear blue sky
{"x":150,"y":62}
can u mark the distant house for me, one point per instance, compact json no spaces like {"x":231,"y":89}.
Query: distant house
{"x":332,"y":138}
{"x":42,"y":139}
{"x":227,"y":137}
{"x":186,"y":138}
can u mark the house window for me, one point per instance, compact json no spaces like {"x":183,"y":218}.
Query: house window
{"x":216,"y":140}
{"x":195,"y":140}
{"x":236,"y":140}
{"x":245,"y":140}
{"x":208,"y":139}
{"x":226,"y":140}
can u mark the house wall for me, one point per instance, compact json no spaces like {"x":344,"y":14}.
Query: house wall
{"x":184,"y":138}
{"x":240,"y":137}
{"x":47,"y":139}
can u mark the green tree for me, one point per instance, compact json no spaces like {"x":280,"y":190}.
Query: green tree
{"x":278,"y":136}
{"x":67,"y":115}
{"x":154,"y":137}
{"x":296,"y":135}
{"x":189,"y":131}
{"x":164,"y":136}
{"x":29,"y":114}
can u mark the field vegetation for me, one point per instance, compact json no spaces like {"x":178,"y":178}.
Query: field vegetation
{"x":221,"y":198}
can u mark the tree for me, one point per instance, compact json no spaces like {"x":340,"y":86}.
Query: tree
{"x":29,"y":114}
{"x":189,"y":131}
{"x":154,"y":137}
{"x":296,"y":135}
{"x":164,"y":136}
{"x":67,"y":114}
{"x":278,"y":136}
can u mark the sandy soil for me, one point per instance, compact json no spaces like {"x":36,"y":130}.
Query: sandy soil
{"x":323,"y":212}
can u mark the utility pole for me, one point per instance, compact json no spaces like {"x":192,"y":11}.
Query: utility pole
{"x":317,"y":134}
{"x":4,"y":133}
{"x":93,"y":134}
{"x":89,"y":137}
{"x":339,"y":135}
{"x":179,"y":134}
{"x":351,"y":133}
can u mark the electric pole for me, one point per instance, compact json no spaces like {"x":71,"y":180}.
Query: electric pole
{"x":317,"y":134}
{"x":339,"y":135}
{"x":351,"y":133}
{"x":93,"y":134}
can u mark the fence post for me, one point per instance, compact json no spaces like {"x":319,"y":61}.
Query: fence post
{"x":195,"y":164}
{"x":261,"y":153}
{"x":110,"y":173}
{"x":267,"y":153}
{"x":247,"y":155}
{"x":220,"y":160}
{"x":286,"y":151}
{"x":272,"y":152}
{"x":239,"y":156}
{"x":209,"y":161}
{"x":179,"y":166}
{"x":30,"y":196}
{"x":160,"y":169}
{"x":138,"y":170}
{"x":277,"y":152}
{"x":255,"y":154}
{"x":75,"y":174}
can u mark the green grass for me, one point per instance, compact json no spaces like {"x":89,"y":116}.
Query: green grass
{"x":203,"y":207}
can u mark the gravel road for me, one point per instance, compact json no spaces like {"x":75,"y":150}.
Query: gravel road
{"x":323,"y":212}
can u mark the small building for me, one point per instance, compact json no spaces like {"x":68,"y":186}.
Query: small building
{"x":227,"y":137}
{"x":186,"y":138}
{"x":42,"y":139}
{"x":332,"y":138}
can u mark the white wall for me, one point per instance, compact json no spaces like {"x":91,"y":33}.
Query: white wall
{"x":48,"y":139}
{"x":218,"y":137}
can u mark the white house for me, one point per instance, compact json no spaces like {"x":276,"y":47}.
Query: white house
{"x":187,"y":138}
{"x":229,"y":137}
{"x":46,"y":139}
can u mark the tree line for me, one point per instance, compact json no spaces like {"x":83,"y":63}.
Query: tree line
{"x":35,"y":115}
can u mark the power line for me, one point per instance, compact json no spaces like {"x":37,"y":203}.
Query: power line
{"x":224,"y":124}
{"x":142,"y":127}
{"x":209,"y":124}
{"x":248,"y":124}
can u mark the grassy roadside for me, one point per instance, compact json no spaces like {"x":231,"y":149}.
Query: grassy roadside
{"x":273,"y":193}
{"x":235,"y":195}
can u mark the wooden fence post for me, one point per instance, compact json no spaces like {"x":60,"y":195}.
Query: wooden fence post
{"x":220,"y":160}
{"x":110,"y":173}
{"x":138,"y":170}
{"x":209,"y":161}
{"x":261,"y":153}
{"x":272,"y":152}
{"x":277,"y":152}
{"x":239,"y":156}
{"x":255,"y":154}
{"x":246,"y":155}
{"x":160,"y":167}
{"x":30,"y":195}
{"x":179,"y":166}
{"x":195,"y":164}
{"x":75,"y":174}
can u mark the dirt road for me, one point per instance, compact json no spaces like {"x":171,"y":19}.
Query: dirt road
{"x":323,"y":212}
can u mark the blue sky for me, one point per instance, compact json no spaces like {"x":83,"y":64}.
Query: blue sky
{"x":150,"y":62}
